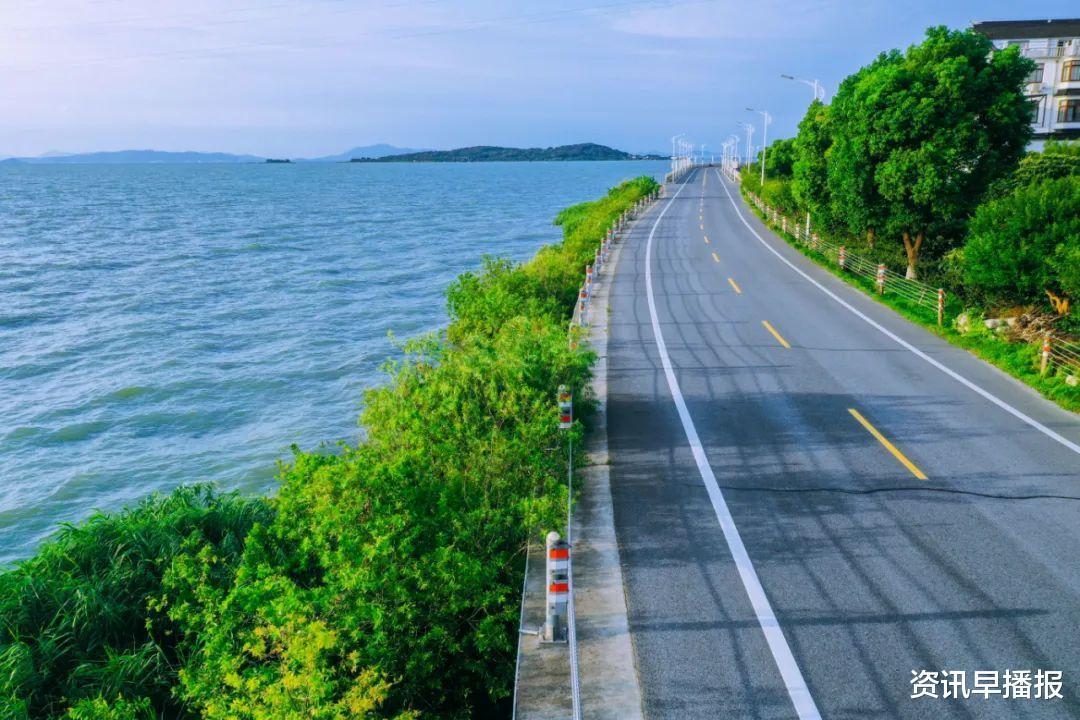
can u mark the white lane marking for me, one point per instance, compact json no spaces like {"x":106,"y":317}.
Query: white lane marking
{"x":908,"y":346}
{"x":774,"y":635}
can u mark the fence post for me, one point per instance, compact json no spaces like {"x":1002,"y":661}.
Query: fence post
{"x":808,"y":222}
{"x":1045,"y":364}
{"x":558,"y":588}
{"x":783,"y":224}
{"x":940,"y":307}
{"x":881,"y":278}
{"x":841,"y":257}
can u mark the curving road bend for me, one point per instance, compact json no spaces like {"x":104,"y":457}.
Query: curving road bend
{"x":814,"y":497}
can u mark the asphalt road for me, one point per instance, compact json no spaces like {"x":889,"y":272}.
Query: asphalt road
{"x":865,"y":572}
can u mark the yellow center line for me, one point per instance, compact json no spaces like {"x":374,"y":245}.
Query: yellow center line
{"x":735,"y":285}
{"x":888,"y":445}
{"x":716,"y":257}
{"x":775,"y":334}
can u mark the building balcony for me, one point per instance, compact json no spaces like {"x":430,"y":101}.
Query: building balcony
{"x":1038,"y":53}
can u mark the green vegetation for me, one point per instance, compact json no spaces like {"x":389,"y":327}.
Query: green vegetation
{"x":918,"y":163}
{"x":490,"y":153}
{"x":382,"y":581}
{"x":1026,"y":244}
{"x":919,"y":136}
{"x":82,"y":621}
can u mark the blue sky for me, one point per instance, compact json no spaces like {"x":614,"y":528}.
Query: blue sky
{"x":315,"y":77}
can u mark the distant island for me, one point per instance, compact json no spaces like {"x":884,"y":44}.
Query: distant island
{"x":491,"y":153}
{"x":163,"y":157}
{"x":366,"y":153}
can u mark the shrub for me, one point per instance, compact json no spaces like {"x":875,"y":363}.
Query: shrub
{"x":79,"y":618}
{"x":1026,"y":244}
{"x":388,"y":583}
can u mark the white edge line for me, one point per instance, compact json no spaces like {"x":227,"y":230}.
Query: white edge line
{"x":774,"y":635}
{"x":908,"y":346}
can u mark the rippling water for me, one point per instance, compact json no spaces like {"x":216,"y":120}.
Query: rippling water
{"x":163,"y":324}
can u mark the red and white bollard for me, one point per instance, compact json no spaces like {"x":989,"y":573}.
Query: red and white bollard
{"x":1045,"y":362}
{"x":588,"y":275}
{"x":881,"y":279}
{"x":558,"y":589}
{"x":841,"y":257}
{"x":566,"y":408}
{"x":940,"y":306}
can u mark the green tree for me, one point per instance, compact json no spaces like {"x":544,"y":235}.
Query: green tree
{"x":919,"y":136}
{"x":779,"y":159}
{"x":1026,"y":246}
{"x":809,"y":176}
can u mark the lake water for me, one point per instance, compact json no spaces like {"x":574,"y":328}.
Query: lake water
{"x":165,"y":324}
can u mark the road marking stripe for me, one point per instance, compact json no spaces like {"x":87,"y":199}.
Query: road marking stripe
{"x":888,"y":445}
{"x":735,"y":285}
{"x":706,"y":239}
{"x":1075,"y":447}
{"x":778,"y":336}
{"x":716,"y":257}
{"x":703,"y":226}
{"x":774,"y":634}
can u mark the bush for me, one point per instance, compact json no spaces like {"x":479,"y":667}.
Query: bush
{"x":388,"y":583}
{"x":1026,"y":244}
{"x":1036,"y":167}
{"x":80,"y":618}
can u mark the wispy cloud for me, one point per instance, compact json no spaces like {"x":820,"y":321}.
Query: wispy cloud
{"x":727,"y":20}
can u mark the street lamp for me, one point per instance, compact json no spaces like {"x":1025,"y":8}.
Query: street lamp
{"x":766,"y":118}
{"x":749,"y":139}
{"x":818,"y":89}
{"x":673,"y":156}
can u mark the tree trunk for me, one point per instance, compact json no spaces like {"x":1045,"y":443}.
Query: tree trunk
{"x":912,"y":250}
{"x":870,"y":237}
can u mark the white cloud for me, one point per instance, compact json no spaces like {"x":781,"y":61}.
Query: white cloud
{"x":726,"y":20}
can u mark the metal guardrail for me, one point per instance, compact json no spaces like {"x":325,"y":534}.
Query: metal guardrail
{"x":1056,"y":352}
{"x":886,"y":280}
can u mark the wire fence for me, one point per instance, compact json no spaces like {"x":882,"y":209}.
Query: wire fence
{"x":1057,"y":353}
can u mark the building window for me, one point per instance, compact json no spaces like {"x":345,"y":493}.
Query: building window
{"x":1069,"y":111}
{"x":1070,"y":72}
{"x":1036,"y":75}
{"x":1036,"y":110}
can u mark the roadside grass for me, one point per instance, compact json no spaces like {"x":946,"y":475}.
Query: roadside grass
{"x":1019,"y":359}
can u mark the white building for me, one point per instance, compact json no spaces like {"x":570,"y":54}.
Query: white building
{"x":1054,"y":86}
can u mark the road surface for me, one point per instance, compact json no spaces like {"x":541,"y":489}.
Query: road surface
{"x":782,"y":555}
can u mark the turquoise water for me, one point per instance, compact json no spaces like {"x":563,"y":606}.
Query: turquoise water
{"x":165,"y":324}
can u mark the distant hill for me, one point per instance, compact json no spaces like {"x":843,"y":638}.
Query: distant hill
{"x":379,"y":150}
{"x":491,"y":153}
{"x":120,"y":157}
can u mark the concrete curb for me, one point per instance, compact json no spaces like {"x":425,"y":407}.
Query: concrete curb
{"x":609,"y":680}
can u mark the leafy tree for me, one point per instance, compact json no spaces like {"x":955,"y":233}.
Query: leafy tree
{"x":1027,"y":245}
{"x":919,"y":136}
{"x":810,"y":178}
{"x":779,"y":159}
